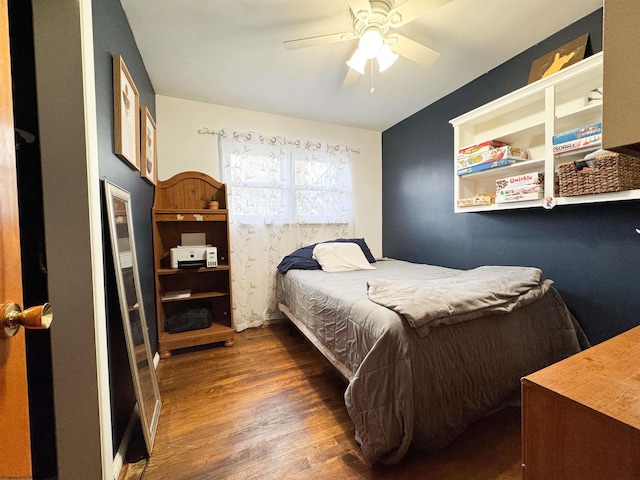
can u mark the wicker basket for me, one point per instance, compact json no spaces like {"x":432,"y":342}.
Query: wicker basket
{"x":612,"y":173}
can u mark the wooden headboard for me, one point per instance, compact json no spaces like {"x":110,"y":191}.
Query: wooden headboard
{"x":189,"y":190}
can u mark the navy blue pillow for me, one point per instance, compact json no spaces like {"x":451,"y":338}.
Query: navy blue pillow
{"x":302,"y":258}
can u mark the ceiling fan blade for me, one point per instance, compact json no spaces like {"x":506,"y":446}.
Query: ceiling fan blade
{"x":319,"y":40}
{"x":414,"y":51}
{"x":351,"y":78}
{"x":360,"y":8}
{"x":411,"y":9}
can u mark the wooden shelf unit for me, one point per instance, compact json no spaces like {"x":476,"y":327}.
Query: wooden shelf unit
{"x":581,"y":416}
{"x":180,"y":207}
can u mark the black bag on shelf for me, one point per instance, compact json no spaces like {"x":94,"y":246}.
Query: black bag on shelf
{"x":189,"y":317}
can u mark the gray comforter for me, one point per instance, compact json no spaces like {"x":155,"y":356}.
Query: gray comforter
{"x":409,"y":389}
{"x":469,"y":294}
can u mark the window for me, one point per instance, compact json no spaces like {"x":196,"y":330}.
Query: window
{"x":271,"y":180}
{"x":282,"y":195}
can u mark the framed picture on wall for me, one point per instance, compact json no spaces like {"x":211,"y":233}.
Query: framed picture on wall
{"x":125,"y":112}
{"x":558,"y":59}
{"x":148,"y":168}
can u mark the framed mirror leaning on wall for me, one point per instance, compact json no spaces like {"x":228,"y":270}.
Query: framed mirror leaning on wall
{"x":131,"y":306}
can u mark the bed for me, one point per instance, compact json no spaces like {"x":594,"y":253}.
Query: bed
{"x":421,"y":385}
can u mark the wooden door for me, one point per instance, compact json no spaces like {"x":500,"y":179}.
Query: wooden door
{"x":15,"y":460}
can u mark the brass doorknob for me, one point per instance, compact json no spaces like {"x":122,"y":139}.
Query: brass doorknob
{"x":12,"y":316}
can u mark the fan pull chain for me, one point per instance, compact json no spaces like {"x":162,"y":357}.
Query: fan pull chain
{"x":372,"y":89}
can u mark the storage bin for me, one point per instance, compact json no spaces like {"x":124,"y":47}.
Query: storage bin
{"x":612,"y":172}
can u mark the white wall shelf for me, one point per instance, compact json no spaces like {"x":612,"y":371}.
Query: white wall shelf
{"x":528,"y":118}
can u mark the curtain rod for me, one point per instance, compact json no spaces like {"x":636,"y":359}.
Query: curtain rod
{"x":220,"y":133}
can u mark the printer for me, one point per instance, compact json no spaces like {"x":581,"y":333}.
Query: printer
{"x":194,"y":256}
{"x":193,"y":252}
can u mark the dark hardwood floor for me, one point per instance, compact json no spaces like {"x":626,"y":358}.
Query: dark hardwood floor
{"x":271,"y":407}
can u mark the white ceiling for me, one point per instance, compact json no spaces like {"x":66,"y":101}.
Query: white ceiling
{"x":230,"y":52}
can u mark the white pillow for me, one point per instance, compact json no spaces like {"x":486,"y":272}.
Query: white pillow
{"x":341,"y":257}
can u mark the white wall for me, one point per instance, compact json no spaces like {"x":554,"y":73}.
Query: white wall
{"x":181,"y":148}
{"x":73,"y":230}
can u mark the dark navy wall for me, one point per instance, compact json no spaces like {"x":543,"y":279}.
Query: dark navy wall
{"x":112,"y":35}
{"x":592,"y":251}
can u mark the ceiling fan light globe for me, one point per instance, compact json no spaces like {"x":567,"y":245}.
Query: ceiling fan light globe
{"x":370,"y":43}
{"x":357,"y":61}
{"x":386,"y":58}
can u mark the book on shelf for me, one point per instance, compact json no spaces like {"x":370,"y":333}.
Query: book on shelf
{"x":529,"y":178}
{"x":590,"y":142}
{"x":578,"y":133}
{"x":486,"y":166}
{"x":491,"y":155}
{"x":531,"y":191}
{"x":176,"y":294}
{"x":480,"y":147}
{"x":519,"y":197}
{"x":478,"y":200}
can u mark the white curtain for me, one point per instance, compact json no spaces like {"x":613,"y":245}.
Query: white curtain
{"x":282,"y":195}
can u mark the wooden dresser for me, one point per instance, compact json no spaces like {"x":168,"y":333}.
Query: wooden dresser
{"x":581,"y":416}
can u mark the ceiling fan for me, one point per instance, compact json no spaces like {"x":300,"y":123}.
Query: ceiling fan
{"x":373,"y":21}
